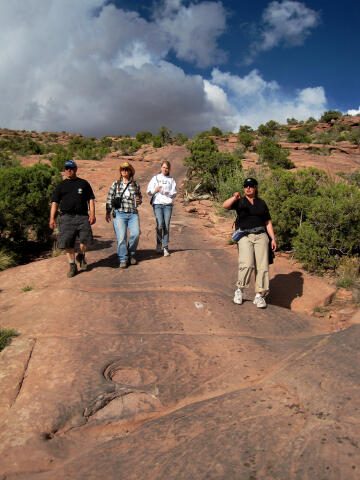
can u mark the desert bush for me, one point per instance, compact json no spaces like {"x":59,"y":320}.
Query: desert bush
{"x":330,"y":115}
{"x":299,"y":136}
{"x":59,"y":160}
{"x":292,"y":121}
{"x":323,"y":138}
{"x":246,"y":139}
{"x":24,"y":201}
{"x":20,"y":145}
{"x":157,"y":141}
{"x":271,"y":152}
{"x":352,"y":178}
{"x":180,"y":139}
{"x":6,"y":335}
{"x":7,"y":259}
{"x":128,"y":146}
{"x":348,"y":271}
{"x":332,"y":228}
{"x":165,"y":135}
{"x":265,"y":131}
{"x":215,"y":131}
{"x":206,"y":163}
{"x":245,"y":128}
{"x":144,"y":137}
{"x":355,"y":137}
{"x":7,"y":161}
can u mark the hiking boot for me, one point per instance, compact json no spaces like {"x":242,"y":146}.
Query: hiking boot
{"x":166,"y":252}
{"x":133,"y":261}
{"x":259,"y":301}
{"x":72,"y":270}
{"x":123,"y":265}
{"x":238,"y":296}
{"x":80,"y":257}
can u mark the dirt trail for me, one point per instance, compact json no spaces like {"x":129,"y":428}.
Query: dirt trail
{"x":153,"y":372}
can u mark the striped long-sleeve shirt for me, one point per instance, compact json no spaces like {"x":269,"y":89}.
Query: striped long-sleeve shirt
{"x":128,"y":196}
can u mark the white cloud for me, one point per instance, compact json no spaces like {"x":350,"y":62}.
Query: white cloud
{"x":285,"y":23}
{"x":354,"y":112}
{"x":193,"y":30}
{"x":92,"y":68}
{"x":256,"y":100}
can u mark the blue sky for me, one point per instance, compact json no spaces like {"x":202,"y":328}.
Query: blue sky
{"x":113,"y":67}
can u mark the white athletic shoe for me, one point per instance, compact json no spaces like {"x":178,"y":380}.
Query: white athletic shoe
{"x":166,"y":252}
{"x":259,"y":301}
{"x":238,"y":297}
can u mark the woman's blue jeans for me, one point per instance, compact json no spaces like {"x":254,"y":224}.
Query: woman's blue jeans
{"x":122,"y":222}
{"x":162,"y":215}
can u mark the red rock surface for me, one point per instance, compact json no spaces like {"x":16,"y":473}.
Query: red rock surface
{"x":153,"y":372}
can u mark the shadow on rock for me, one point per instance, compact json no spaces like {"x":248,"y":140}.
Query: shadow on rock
{"x":284,"y":288}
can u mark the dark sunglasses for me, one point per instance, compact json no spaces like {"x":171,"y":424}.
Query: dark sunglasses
{"x":69,"y":168}
{"x":126,"y":169}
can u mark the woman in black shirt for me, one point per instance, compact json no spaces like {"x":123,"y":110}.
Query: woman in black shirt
{"x":253,"y":219}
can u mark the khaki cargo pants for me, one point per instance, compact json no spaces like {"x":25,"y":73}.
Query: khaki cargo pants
{"x":254,"y":254}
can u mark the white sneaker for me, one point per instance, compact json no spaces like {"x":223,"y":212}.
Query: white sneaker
{"x":259,"y":301}
{"x":238,"y":297}
{"x":166,"y":252}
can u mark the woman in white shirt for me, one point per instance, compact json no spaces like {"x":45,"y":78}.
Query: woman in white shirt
{"x":162,"y":187}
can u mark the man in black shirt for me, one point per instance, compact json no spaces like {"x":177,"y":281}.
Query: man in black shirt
{"x":75,"y":197}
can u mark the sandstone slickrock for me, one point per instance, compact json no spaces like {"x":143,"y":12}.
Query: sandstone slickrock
{"x":120,"y":374}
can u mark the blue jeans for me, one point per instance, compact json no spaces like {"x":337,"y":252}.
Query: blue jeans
{"x":122,"y":222}
{"x":162,"y":215}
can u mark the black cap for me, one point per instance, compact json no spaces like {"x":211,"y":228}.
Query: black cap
{"x":250,"y":182}
{"x":70,"y":164}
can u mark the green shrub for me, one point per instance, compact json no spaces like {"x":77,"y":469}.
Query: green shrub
{"x":7,"y":162}
{"x":347,"y":272}
{"x":5,"y":336}
{"x":332,"y":228}
{"x":246,"y":139}
{"x":165,"y":135}
{"x":180,"y":139}
{"x":144,"y":137}
{"x":24,"y":201}
{"x":216,"y":132}
{"x":323,"y":138}
{"x":330,"y":115}
{"x":298,"y":136}
{"x":7,"y":259}
{"x":128,"y":146}
{"x":355,"y":137}
{"x":292,"y":121}
{"x":206,"y":163}
{"x":266,"y":131}
{"x":271,"y":152}
{"x":289,"y":196}
{"x":59,"y":160}
{"x":157,"y":141}
{"x":245,"y":128}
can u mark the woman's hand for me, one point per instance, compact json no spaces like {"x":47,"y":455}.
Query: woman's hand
{"x":108,"y":217}
{"x":137,"y":201}
{"x":273,"y":244}
{"x":157,"y":189}
{"x":237,"y":195}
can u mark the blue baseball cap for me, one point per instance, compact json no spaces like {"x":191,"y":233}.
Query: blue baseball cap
{"x":70,"y":164}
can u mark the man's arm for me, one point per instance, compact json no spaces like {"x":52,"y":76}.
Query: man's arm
{"x":52,"y":223}
{"x":92,"y":218}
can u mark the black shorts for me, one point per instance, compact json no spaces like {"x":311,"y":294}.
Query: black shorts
{"x":72,"y":226}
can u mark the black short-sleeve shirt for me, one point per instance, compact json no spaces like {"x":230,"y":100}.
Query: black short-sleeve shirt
{"x":250,"y":216}
{"x":73,"y":196}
